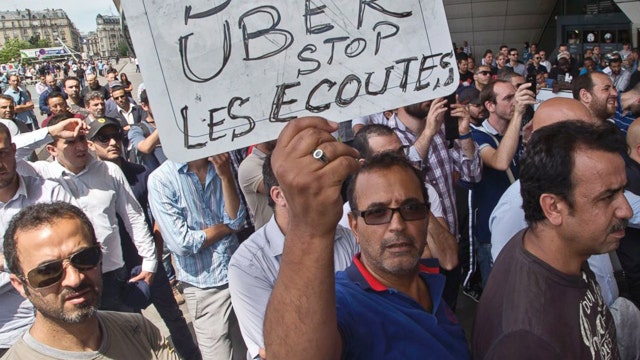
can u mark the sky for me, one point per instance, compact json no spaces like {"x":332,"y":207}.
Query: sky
{"x":82,"y":12}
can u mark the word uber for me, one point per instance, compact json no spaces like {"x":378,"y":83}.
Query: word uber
{"x":322,"y":50}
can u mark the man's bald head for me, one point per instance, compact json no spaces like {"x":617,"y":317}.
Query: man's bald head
{"x":561,"y":109}
{"x":633,"y":140}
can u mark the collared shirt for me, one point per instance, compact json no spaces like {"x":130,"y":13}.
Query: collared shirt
{"x":182,"y":207}
{"x":102,"y":192}
{"x":253,"y":270}
{"x":621,"y":80}
{"x":16,"y":312}
{"x":20,"y":97}
{"x":127,"y":114}
{"x":440,"y":165}
{"x":377,"y":322}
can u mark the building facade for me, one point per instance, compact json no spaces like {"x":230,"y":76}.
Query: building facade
{"x":50,"y":24}
{"x":90,"y":45}
{"x":109,"y":34}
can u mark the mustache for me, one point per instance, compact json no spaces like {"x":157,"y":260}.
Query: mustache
{"x":69,"y":292}
{"x":620,"y":226}
{"x":398,"y":238}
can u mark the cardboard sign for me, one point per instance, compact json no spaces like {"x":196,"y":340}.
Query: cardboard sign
{"x":222,"y":75}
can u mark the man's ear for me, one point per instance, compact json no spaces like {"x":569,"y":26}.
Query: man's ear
{"x":52,"y":150}
{"x":585,"y":96}
{"x":554,"y":208}
{"x":278,"y":196}
{"x":91,"y":145}
{"x":490,"y":106}
{"x":18,"y":285}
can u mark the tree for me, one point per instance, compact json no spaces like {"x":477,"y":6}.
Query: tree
{"x":36,"y":42}
{"x":11,"y":50}
{"x":123,"y":49}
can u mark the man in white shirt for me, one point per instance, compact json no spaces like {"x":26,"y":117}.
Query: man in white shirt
{"x":16,"y":193}
{"x":102,"y":191}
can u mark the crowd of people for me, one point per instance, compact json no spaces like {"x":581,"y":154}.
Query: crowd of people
{"x":307,"y":247}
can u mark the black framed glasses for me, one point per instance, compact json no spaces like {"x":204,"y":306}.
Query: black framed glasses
{"x":50,"y":273}
{"x":105,"y":138}
{"x":383,"y":215}
{"x":485,"y":73}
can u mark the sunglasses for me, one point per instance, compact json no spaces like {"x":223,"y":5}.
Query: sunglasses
{"x":105,"y":138}
{"x":537,"y":58}
{"x":484,"y":73}
{"x":383,"y":215}
{"x":514,"y":54}
{"x":50,"y":273}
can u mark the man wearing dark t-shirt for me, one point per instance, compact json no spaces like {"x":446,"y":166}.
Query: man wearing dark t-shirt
{"x":542,"y":300}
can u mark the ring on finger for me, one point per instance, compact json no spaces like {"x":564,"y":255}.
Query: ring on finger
{"x":319,"y":154}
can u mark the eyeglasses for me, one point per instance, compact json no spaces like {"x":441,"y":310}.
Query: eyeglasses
{"x":484,"y":73}
{"x":50,"y":273}
{"x":537,"y":58}
{"x":514,"y":54}
{"x":383,"y":215}
{"x":105,"y":138}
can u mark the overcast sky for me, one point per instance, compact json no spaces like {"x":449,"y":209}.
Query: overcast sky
{"x":82,"y":12}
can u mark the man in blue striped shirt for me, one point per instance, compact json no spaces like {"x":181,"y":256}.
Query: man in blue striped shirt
{"x":197,"y":208}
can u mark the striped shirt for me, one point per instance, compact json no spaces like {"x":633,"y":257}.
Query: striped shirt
{"x":182,"y":207}
{"x":440,"y":166}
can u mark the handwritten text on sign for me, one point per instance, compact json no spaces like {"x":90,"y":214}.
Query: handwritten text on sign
{"x":223,"y":75}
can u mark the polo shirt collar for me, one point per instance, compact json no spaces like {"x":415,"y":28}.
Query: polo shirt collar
{"x":359,"y":274}
{"x":22,"y":190}
{"x":490,"y":129}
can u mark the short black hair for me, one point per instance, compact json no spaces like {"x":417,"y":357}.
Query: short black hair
{"x":383,"y":161}
{"x":143,"y":97}
{"x":53,"y":95}
{"x":584,"y":81}
{"x":548,"y":161}
{"x":269,"y":179}
{"x":361,"y":139}
{"x":35,"y":216}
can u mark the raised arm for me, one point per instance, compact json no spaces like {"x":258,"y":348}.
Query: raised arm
{"x":301,"y":320}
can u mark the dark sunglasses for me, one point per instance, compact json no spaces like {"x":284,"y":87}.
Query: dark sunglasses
{"x":383,"y":215}
{"x":485,"y":73}
{"x":514,"y":54}
{"x":537,"y":58}
{"x":105,"y":138}
{"x":50,"y":273}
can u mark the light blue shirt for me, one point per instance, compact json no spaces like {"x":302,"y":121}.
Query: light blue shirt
{"x":507,"y":219}
{"x":182,"y":208}
{"x":253,"y":271}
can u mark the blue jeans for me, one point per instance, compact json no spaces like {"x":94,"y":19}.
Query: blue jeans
{"x":485,"y":261}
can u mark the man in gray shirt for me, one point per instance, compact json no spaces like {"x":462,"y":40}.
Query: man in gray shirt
{"x":253,"y":268}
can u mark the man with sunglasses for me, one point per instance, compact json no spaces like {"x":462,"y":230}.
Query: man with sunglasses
{"x":102,"y":191}
{"x":535,"y":67}
{"x":16,"y":193}
{"x":515,"y":64}
{"x":482,"y":77}
{"x":386,"y":290}
{"x":55,"y":261}
{"x":122,"y":107}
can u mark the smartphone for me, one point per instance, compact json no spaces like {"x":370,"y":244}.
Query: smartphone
{"x":450,"y":122}
{"x":531,"y":78}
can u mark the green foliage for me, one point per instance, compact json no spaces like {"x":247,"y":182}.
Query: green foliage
{"x":123,"y":49}
{"x":11,"y":50}
{"x":36,"y":42}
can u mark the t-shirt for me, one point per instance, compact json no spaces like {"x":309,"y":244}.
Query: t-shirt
{"x":125,"y":336}
{"x":531,"y":310}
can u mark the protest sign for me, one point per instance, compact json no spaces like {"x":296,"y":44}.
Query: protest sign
{"x":222,"y":75}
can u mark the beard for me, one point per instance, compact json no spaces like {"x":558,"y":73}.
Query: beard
{"x":56,"y":313}
{"x":419,"y":110}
